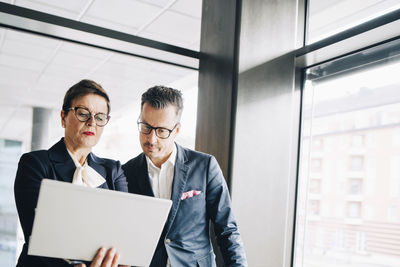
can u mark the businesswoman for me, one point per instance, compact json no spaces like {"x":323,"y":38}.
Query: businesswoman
{"x":84,"y":114}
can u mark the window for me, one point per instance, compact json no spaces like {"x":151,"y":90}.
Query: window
{"x":356,"y":110}
{"x":396,"y":137}
{"x":36,"y":71}
{"x":354,"y":186}
{"x":394,"y":214}
{"x":315,"y":186}
{"x":314,"y":207}
{"x":356,"y":163}
{"x":328,"y":17}
{"x":353,"y":210}
{"x":357,"y":140}
{"x":10,"y":151}
{"x":361,"y":242}
{"x":394,"y":177}
{"x":318,"y":144}
{"x":316,"y":165}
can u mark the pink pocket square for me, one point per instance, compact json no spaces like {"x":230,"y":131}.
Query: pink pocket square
{"x":190,"y":194}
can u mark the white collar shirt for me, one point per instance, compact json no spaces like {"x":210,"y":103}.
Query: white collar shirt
{"x":85,"y":175}
{"x":161,"y":178}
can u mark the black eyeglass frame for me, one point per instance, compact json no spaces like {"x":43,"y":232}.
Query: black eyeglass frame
{"x":90,"y":115}
{"x":155,"y":129}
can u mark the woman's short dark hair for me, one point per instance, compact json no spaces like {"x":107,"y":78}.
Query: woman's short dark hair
{"x":83,"y":88}
{"x":161,"y":96}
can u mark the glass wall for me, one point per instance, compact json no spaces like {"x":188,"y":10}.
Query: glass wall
{"x":328,"y":17}
{"x":120,"y":139}
{"x":172,"y":22}
{"x":10,"y":151}
{"x":37,"y":71}
{"x":348,"y":206}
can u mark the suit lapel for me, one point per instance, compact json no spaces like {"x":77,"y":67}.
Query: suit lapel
{"x":63,"y":164}
{"x":97,"y":164}
{"x":144,"y":179}
{"x":178,"y":187}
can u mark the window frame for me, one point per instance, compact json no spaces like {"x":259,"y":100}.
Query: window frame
{"x":382,"y":32}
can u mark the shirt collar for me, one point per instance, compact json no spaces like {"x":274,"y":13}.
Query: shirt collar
{"x":76,"y":162}
{"x":171,"y":160}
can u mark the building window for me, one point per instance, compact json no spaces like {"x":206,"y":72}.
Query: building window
{"x":361,"y":242}
{"x":316,"y":165}
{"x":396,"y":137}
{"x":394,"y":214}
{"x":353,"y":210}
{"x":315,"y":186}
{"x":354,"y":186}
{"x":318,"y":144}
{"x":314,"y":207}
{"x":356,"y":163}
{"x":357,"y":140}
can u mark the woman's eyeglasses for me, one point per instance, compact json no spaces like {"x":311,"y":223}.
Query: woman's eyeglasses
{"x":83,"y":115}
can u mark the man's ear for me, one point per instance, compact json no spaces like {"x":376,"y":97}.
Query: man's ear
{"x":62,"y":116}
{"x":178,"y":127}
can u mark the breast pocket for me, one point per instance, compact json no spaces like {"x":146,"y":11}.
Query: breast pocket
{"x":207,"y":261}
{"x":192,"y":194}
{"x":191,"y":218}
{"x":193,"y":208}
{"x":198,"y":201}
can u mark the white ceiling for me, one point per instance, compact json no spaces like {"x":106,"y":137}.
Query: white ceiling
{"x":37,"y":71}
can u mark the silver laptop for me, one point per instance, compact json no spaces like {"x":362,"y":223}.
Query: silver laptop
{"x":73,"y":222}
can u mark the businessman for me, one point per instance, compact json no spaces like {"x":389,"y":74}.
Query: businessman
{"x":192,"y":180}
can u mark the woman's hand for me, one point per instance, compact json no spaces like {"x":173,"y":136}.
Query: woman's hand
{"x":103,"y":259}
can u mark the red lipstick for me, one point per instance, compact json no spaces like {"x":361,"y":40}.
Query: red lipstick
{"x":89,"y":133}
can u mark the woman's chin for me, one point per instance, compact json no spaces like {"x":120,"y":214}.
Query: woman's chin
{"x":88,"y":143}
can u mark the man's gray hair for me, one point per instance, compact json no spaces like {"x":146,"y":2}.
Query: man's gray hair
{"x":160,"y":97}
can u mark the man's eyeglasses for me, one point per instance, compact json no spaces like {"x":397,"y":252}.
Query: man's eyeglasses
{"x":83,"y":115}
{"x":161,"y":132}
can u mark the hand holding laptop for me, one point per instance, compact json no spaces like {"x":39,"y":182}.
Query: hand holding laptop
{"x":132,"y":226}
{"x":103,"y":259}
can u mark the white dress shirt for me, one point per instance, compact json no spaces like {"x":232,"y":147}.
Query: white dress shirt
{"x":161,"y":178}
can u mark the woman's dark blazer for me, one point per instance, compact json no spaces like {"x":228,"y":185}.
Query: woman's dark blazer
{"x":55,"y":164}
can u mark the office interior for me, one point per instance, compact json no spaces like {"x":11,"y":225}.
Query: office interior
{"x":298,"y":100}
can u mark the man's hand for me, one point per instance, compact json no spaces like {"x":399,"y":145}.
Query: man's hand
{"x":103,"y":259}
